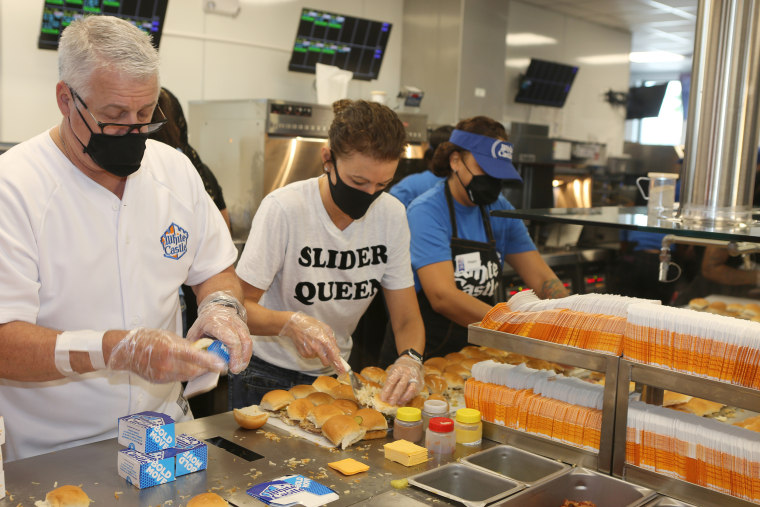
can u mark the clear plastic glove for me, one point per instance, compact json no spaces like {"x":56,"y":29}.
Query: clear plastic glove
{"x":223,"y":317}
{"x":161,"y":356}
{"x":404,"y":381}
{"x":313,"y":338}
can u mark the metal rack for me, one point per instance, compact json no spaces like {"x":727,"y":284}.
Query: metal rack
{"x":742,"y":397}
{"x":595,"y":361}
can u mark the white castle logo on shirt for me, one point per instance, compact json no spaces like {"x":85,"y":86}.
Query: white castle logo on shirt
{"x":174,"y":241}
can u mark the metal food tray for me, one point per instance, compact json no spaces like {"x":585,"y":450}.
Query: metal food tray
{"x":514,"y":463}
{"x":578,"y":485}
{"x":666,"y":501}
{"x":469,"y":485}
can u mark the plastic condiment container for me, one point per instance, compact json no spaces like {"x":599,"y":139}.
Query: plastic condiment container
{"x":433,"y":408}
{"x":468,"y":427}
{"x":440,"y":437}
{"x":408,"y":424}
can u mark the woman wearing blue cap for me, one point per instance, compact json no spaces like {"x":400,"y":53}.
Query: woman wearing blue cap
{"x":457,"y":248}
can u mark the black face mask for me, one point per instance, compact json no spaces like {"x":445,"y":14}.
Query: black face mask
{"x":351,"y":201}
{"x":119,"y":155}
{"x":482,"y":189}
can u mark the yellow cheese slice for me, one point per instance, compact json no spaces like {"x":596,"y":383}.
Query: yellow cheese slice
{"x":349,"y":466}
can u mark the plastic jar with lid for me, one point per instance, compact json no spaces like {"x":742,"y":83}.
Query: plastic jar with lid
{"x":408,"y":424}
{"x":433,"y":408}
{"x":440,"y":437}
{"x":468,"y":426}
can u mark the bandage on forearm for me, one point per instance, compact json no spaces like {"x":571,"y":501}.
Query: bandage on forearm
{"x":79,"y":341}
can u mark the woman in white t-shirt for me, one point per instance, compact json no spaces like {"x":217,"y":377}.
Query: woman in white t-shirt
{"x":319,"y":250}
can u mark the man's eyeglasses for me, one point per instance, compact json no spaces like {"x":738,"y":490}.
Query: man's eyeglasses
{"x":121,"y":129}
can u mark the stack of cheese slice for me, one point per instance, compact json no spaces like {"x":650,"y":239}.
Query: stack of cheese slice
{"x":405,"y":452}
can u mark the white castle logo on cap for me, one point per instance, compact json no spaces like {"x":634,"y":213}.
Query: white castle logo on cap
{"x":500,"y":149}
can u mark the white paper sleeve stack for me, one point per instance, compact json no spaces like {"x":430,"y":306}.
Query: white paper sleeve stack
{"x":702,"y":344}
{"x":695,"y":449}
{"x":607,"y":304}
{"x":541,"y":402}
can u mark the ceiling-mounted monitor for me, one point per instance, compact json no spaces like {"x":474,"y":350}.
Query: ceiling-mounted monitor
{"x":353,"y":44}
{"x":546,"y":83}
{"x":645,"y":101}
{"x":148,"y":15}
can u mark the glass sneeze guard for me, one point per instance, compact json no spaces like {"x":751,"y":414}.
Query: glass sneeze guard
{"x":633,"y":218}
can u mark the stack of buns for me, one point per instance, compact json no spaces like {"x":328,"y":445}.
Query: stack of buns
{"x":748,"y":311}
{"x":65,"y":496}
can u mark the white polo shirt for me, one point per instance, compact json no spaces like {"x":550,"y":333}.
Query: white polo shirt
{"x":74,"y":256}
{"x":297,"y":254}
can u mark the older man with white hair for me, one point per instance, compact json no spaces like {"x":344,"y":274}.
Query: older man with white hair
{"x":99,"y":227}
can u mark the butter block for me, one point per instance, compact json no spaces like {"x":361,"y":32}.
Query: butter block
{"x":145,"y":470}
{"x":405,"y":452}
{"x":146,"y":432}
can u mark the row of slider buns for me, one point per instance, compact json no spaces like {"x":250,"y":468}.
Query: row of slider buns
{"x":750,"y":311}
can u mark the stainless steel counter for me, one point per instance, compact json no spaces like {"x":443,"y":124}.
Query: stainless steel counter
{"x":93,"y":466}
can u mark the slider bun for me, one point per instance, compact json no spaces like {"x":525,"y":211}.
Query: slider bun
{"x":343,"y":430}
{"x":347,"y":406}
{"x":342,"y":392}
{"x":698,"y":304}
{"x":436,"y":383}
{"x":469,"y":363}
{"x":67,"y":496}
{"x":371,"y":419}
{"x":453,"y":380}
{"x":250,"y":418}
{"x":374,"y":374}
{"x":325,"y":384}
{"x":432,"y":370}
{"x":318,"y":398}
{"x":437,"y":362}
{"x":455,"y":357}
{"x":319,"y":415}
{"x":494,"y":352}
{"x":275,"y":400}
{"x":474,"y":352}
{"x":734,"y":307}
{"x":207,"y":500}
{"x":698,"y":406}
{"x":416,"y":402}
{"x":751,"y":310}
{"x":670,"y":398}
{"x":716,"y":307}
{"x":457,"y":369}
{"x":345,"y":378}
{"x":299,"y":409}
{"x":302,"y":390}
{"x":383,"y":407}
{"x":437,"y":397}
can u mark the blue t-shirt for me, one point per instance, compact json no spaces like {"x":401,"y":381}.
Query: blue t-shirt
{"x":414,"y":185}
{"x":431,"y":231}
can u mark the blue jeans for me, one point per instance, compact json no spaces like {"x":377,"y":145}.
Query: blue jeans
{"x":249,"y":386}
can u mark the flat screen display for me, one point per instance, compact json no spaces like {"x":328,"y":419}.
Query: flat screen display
{"x":148,"y":15}
{"x":645,"y":101}
{"x":354,"y":44}
{"x":546,"y":83}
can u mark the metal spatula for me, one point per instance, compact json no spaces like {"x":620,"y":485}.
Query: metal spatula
{"x":355,"y":384}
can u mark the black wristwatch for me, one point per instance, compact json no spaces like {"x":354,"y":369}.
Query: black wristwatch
{"x":413,"y":354}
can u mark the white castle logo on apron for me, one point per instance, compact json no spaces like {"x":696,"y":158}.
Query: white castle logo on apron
{"x":174,"y":241}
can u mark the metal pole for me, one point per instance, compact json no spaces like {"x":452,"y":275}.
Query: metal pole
{"x":722,"y":128}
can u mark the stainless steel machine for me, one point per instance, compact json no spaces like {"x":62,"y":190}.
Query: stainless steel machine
{"x":258,"y":145}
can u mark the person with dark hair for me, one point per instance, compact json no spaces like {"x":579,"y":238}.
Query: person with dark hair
{"x":413,"y":185}
{"x":319,"y":250}
{"x":174,"y":134}
{"x":457,"y":248}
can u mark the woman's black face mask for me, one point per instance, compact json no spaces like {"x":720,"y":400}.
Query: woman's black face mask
{"x":351,"y":201}
{"x":482,"y":188}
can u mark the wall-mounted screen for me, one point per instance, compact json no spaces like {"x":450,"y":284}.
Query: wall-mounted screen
{"x":353,"y":44}
{"x":148,"y":15}
{"x":546,"y":83}
{"x":645,"y":101}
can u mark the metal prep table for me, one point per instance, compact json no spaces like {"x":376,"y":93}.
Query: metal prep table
{"x":93,"y":467}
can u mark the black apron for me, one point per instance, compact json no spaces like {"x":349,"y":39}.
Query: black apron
{"x":443,"y":336}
